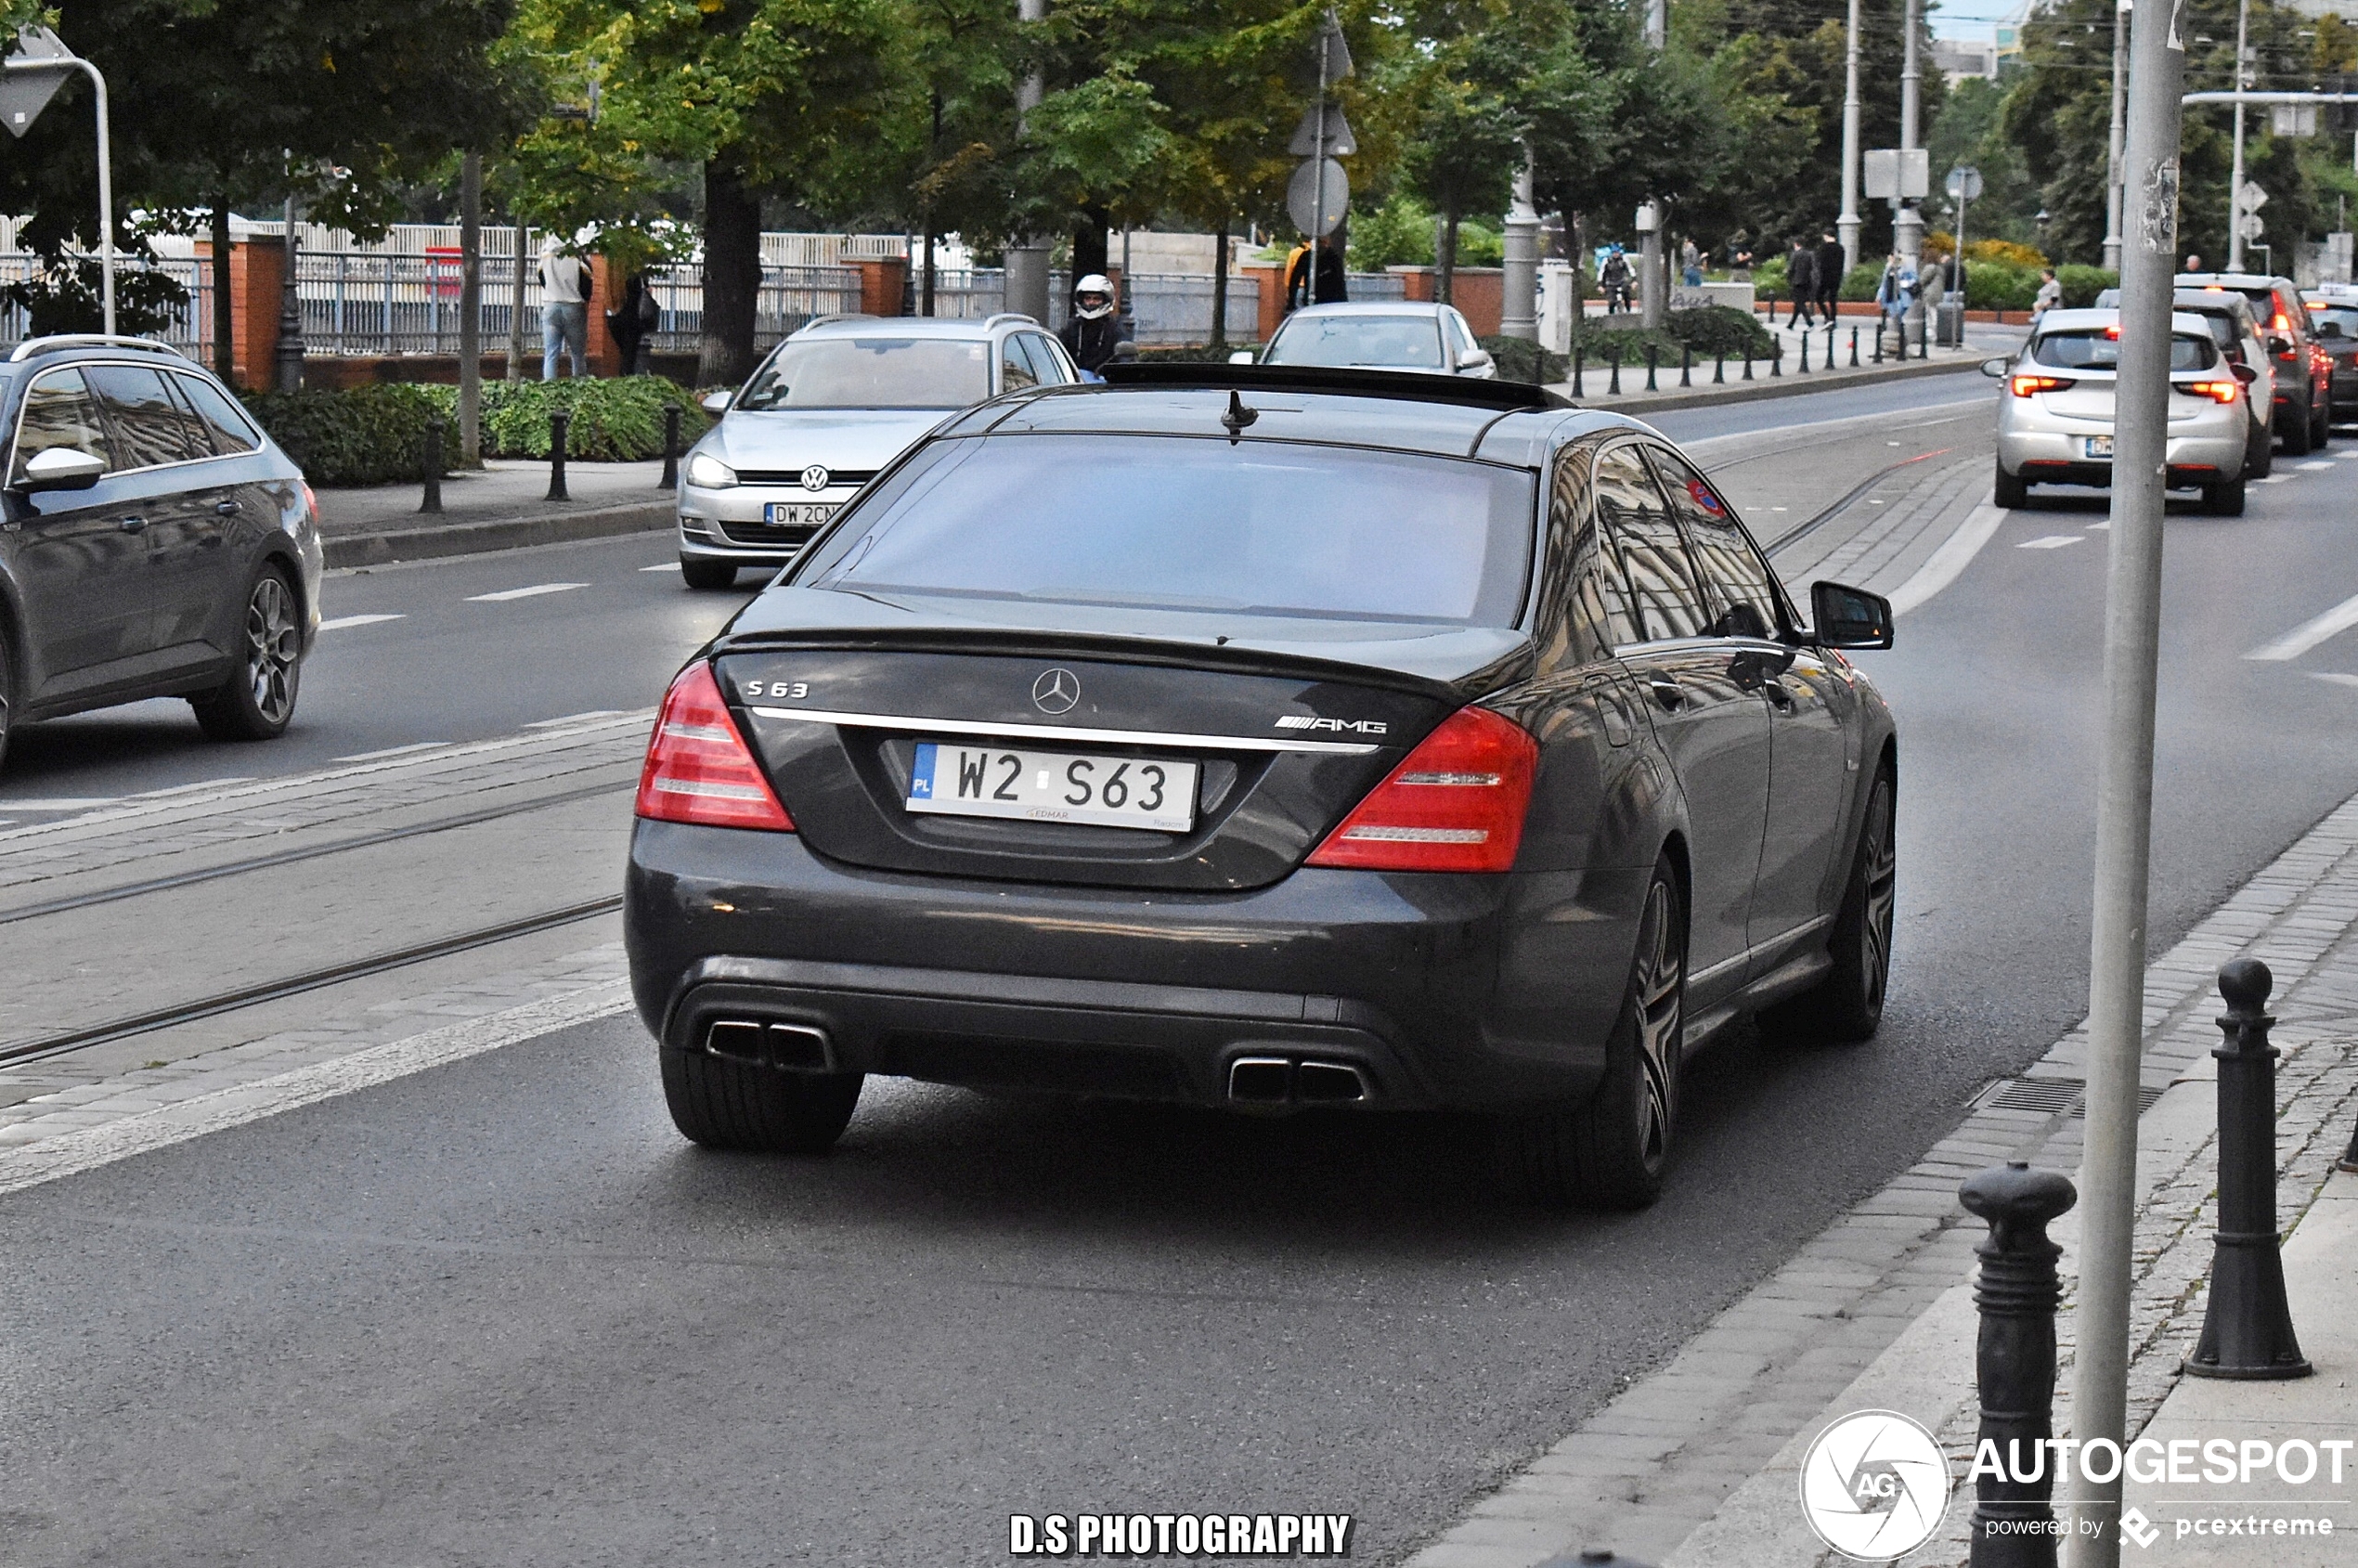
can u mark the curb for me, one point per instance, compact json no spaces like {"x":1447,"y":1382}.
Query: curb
{"x":378,"y":548}
{"x":1794,"y":386}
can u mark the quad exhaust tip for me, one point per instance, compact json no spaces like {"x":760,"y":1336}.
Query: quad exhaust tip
{"x":1278,"y":1081}
{"x":790,"y":1048}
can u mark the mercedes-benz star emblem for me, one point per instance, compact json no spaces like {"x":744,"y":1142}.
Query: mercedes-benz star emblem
{"x":814,"y":478}
{"x":1056,"y":691}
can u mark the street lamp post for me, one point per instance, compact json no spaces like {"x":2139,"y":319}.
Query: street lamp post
{"x":289,"y":357}
{"x":1847,"y":224}
{"x":1520,"y":267}
{"x":2235,"y":180}
{"x":2113,"y":155}
{"x":1908,"y":226}
{"x":1027,"y":262}
{"x":42,"y":53}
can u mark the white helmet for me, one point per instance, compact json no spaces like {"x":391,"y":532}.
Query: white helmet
{"x":1096,"y":283}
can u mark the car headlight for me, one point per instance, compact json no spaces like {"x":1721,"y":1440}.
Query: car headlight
{"x":709,"y":473}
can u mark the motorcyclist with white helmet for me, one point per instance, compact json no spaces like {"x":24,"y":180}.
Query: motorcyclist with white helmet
{"x":1094,"y":332}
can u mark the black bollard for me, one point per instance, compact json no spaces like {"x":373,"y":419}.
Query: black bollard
{"x":1747,"y":363}
{"x":1923,"y":340}
{"x":1879,"y":330}
{"x":1613,"y":388}
{"x":1830,"y":343}
{"x":671,"y":480}
{"x":2015,"y":1361}
{"x":2246,"y":1325}
{"x":1651,"y":354}
{"x":1579,"y":369}
{"x":1719,"y":366}
{"x":1804,"y":352}
{"x":430,"y":466}
{"x":558,"y":421}
{"x":1685,"y":365}
{"x":1777,"y":358}
{"x":2349,"y":1161}
{"x":1853,"y":348}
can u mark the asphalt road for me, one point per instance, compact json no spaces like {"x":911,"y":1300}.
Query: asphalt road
{"x":498,"y":1312}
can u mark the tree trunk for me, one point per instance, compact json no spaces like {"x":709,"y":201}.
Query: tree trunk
{"x":732,"y":276}
{"x":1575,"y":231}
{"x":1220,"y":287}
{"x":225,"y":358}
{"x":1089,"y":251}
{"x":933,"y":150}
{"x":1446,"y":267}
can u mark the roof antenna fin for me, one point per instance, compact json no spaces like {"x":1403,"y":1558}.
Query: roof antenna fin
{"x":1237,"y":416}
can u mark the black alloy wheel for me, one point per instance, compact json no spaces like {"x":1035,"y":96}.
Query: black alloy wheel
{"x":2224,"y":498}
{"x":706,"y":576}
{"x":2296,"y":432}
{"x":257,"y":701}
{"x":7,"y":695}
{"x":2012,"y":490}
{"x":2261,"y":462}
{"x":1846,"y":1005}
{"x":2321,"y":423}
{"x":726,"y":1103}
{"x":1611,"y":1151}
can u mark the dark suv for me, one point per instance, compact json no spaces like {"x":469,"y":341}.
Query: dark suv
{"x":153,"y":542}
{"x":2304,"y":373}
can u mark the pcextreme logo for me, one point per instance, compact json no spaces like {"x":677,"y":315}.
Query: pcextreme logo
{"x":1874,"y":1485}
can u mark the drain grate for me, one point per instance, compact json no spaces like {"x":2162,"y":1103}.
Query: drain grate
{"x":2048,"y":1097}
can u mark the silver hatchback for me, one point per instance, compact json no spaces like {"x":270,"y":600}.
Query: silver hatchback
{"x":2056,"y":419}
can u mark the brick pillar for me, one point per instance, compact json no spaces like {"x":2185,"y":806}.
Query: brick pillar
{"x":1418,"y":280}
{"x":1478,"y":292}
{"x":1269,"y":279}
{"x":883,"y":285}
{"x":257,"y":271}
{"x":605,"y":294}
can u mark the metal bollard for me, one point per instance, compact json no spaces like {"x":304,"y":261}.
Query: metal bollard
{"x":1719,"y":366}
{"x":1830,"y":343}
{"x":1747,"y":363}
{"x":558,"y":422}
{"x":2247,"y":1324}
{"x":1579,"y":371}
{"x":2014,"y":1362}
{"x":1805,"y":352}
{"x":2349,"y":1161}
{"x":1685,"y":365}
{"x":1777,"y":358}
{"x":1613,"y":388}
{"x":671,"y":480}
{"x":1879,"y":331}
{"x":1853,"y":348}
{"x":430,"y":466}
{"x":1650,"y":355}
{"x":1923,"y":341}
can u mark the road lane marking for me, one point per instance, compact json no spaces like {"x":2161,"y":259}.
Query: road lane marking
{"x":391,"y":751}
{"x":2100,"y":528}
{"x":341,"y":622}
{"x":1949,"y":561}
{"x":2308,"y":634}
{"x":191,"y":789}
{"x":2314,"y":467}
{"x":594,"y":713}
{"x":661,"y":566}
{"x":63,"y":803}
{"x":535,"y":591}
{"x":2335,"y":677}
{"x":2051,"y":541}
{"x":2272,"y":479}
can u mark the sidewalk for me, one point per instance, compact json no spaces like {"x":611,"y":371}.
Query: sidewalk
{"x":501,"y":506}
{"x":1697,"y":1466}
{"x":1593,"y":389}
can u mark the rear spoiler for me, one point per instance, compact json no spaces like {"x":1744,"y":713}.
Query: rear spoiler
{"x":1406,"y":386}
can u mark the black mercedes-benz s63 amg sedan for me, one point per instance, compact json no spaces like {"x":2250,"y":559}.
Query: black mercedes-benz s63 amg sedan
{"x":1268,"y":738}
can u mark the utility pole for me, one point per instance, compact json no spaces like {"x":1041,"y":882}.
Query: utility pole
{"x":1027,"y":275}
{"x":2124,"y":783}
{"x":1652,"y":305}
{"x":1519,"y":269}
{"x":41,"y":64}
{"x":2113,"y":158}
{"x":1908,"y":228}
{"x":470,"y":308}
{"x":1847,"y":224}
{"x":2235,"y":181}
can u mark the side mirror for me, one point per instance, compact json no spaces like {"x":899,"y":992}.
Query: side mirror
{"x":60,"y":468}
{"x":1997,"y":369}
{"x":1125,"y":353}
{"x":716,"y":402}
{"x":2279,"y":345}
{"x":1849,"y":617}
{"x":1474,"y":360}
{"x":2245,"y":373}
{"x":1242,"y":356}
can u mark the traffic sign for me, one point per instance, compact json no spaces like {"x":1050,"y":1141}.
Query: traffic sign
{"x":2252,"y":226}
{"x":1315,"y":211}
{"x":26,"y":90}
{"x":1340,"y":143}
{"x":1329,"y":56}
{"x":2251,"y":198}
{"x":1897,"y":174}
{"x":1965,"y":183}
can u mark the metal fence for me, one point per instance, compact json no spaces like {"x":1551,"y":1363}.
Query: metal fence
{"x":190,"y":327}
{"x":790,"y":296}
{"x":1170,"y":308}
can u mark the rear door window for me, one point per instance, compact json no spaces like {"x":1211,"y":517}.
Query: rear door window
{"x":1743,"y":590}
{"x":59,"y":411}
{"x":2098,"y":349}
{"x":1601,"y":615}
{"x":227,"y":426}
{"x":1014,"y":365}
{"x":148,"y":427}
{"x":1661,"y":577}
{"x":1046,"y":367}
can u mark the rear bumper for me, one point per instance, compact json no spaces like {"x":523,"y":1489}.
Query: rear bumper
{"x":2054,"y":458}
{"x":1440,"y":991}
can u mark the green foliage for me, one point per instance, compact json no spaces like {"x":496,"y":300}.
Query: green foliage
{"x":358,"y":435}
{"x":1996,"y":286}
{"x":1195,"y":354}
{"x":1769,"y":278}
{"x":1520,"y":360}
{"x":1398,"y":233}
{"x":613,"y":420}
{"x":1861,"y":282}
{"x":2082,"y":284}
{"x":1708,"y":331}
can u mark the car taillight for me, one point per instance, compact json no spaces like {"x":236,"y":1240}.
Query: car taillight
{"x":1455,"y":804}
{"x":698,"y":769}
{"x":2022,"y":386}
{"x":2218,"y":392}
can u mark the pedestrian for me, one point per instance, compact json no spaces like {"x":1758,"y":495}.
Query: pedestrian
{"x":1319,"y":283}
{"x":1801,"y":281}
{"x":1093,"y":331}
{"x":1897,"y":290}
{"x":2049,"y":297}
{"x":1829,"y":270}
{"x":1740,"y":257}
{"x":632,"y":322}
{"x":1691,"y":265}
{"x":565,"y":310}
{"x":1613,"y":277}
{"x":2194,"y":262}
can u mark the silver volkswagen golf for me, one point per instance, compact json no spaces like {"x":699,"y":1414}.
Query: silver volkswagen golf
{"x":829,"y":406}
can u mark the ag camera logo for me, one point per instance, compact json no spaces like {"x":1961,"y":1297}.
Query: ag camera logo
{"x":1874,"y":1485}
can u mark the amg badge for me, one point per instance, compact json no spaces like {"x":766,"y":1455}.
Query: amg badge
{"x":1305,"y":721}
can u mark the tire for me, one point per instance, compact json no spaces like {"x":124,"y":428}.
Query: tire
{"x":2295,"y":431}
{"x":2012,"y":490}
{"x":257,"y":701}
{"x":730,"y":1105}
{"x":1847,"y":1006}
{"x":2321,"y":426}
{"x":1611,"y":1152}
{"x":7,"y":695}
{"x":707,"y":577}
{"x":2223,"y":499}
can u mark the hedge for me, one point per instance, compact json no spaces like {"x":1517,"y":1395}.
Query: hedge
{"x":2082,"y":284}
{"x":358,"y":435}
{"x":613,"y":420}
{"x":1996,"y":286}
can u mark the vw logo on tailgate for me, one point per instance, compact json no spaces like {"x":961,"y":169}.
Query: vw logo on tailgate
{"x":1057,"y":691}
{"x":814,"y":478}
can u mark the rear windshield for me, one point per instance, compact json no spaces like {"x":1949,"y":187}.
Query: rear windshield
{"x":1174,"y":523}
{"x":2333,"y":321}
{"x":2096,"y":349}
{"x":872,"y":372}
{"x":1410,"y":341}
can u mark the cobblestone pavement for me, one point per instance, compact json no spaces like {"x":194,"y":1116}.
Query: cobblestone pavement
{"x":1696,"y":1466}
